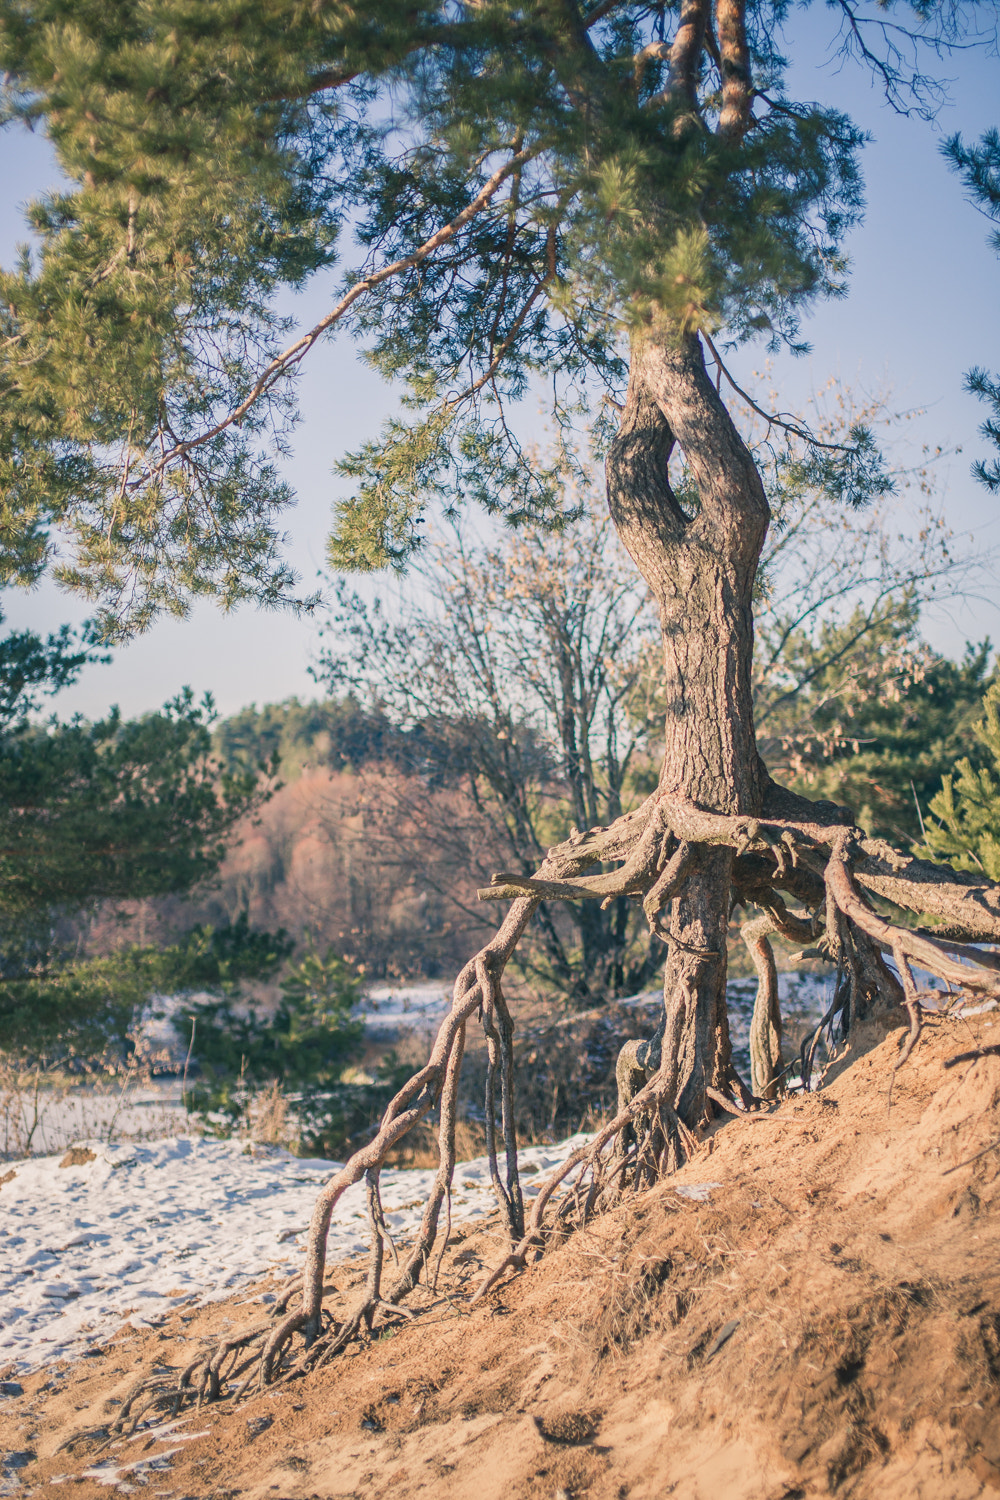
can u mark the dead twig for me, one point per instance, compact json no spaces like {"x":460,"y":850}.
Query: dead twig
{"x":970,"y":1159}
{"x":973,"y":1056}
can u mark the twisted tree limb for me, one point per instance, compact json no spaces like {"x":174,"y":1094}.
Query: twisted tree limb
{"x":968,"y":904}
{"x":930,"y":953}
{"x":766,"y":1062}
{"x":642,"y":847}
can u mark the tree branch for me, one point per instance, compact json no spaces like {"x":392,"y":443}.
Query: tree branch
{"x":686,"y":51}
{"x":771,"y":418}
{"x":296,"y":352}
{"x":737,"y":93}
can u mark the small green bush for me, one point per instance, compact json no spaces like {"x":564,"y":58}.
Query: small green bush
{"x":304,"y":1046}
{"x":87,"y":1010}
{"x":964,"y":826}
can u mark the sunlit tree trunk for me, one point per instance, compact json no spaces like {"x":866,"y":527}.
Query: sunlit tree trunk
{"x":700,"y":565}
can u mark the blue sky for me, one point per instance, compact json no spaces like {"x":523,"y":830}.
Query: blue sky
{"x":924,"y":306}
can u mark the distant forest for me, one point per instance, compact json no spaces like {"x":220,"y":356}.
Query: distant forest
{"x":377,"y":833}
{"x":319,"y":858}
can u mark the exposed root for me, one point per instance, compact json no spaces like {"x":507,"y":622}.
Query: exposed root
{"x":973,"y":1056}
{"x":912,"y":1003}
{"x":666,"y":885}
{"x":821,"y":863}
{"x":766,"y":1062}
{"x":605,"y":1171}
{"x":203,"y":1379}
{"x":499,"y":1029}
{"x":729,"y":1106}
{"x":977,"y":1156}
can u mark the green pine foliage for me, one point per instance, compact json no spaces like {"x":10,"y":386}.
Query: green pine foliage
{"x":303,"y":1046}
{"x":979,"y":168}
{"x":85,"y":1012}
{"x":80,"y":1014}
{"x":33,"y":667}
{"x":112,"y":810}
{"x":873,"y":718}
{"x":148,"y":312}
{"x":964,"y":825}
{"x":521,"y":189}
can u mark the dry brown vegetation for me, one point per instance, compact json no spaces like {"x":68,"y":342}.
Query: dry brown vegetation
{"x":826,"y":1322}
{"x":312,"y":861}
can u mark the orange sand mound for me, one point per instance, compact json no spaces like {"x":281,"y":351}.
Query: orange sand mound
{"x":827,"y":1322}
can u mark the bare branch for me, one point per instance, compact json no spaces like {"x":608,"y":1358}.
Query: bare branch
{"x":287,"y":361}
{"x":771,"y":418}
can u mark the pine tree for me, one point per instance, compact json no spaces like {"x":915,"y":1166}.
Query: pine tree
{"x":115,"y":809}
{"x":964,"y":823}
{"x":594,"y":199}
{"x":554,"y":193}
{"x":33,"y":668}
{"x":979,"y":168}
{"x":877,"y":727}
{"x":303,"y":1045}
{"x":110,"y":811}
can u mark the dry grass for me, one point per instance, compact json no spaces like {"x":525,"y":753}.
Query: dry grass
{"x":32,"y":1097}
{"x":419,"y":1148}
{"x":22,"y":1107}
{"x":269,"y":1120}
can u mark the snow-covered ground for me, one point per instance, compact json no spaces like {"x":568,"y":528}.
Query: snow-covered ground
{"x":143,"y":1111}
{"x":149,"y":1223}
{"x":148,"y":1111}
{"x":60,"y":1117}
{"x":142,"y":1228}
{"x":413,"y":1007}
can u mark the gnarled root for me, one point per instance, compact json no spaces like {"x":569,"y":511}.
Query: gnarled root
{"x":821,"y":861}
{"x":598,"y":1167}
{"x":766,"y":1062}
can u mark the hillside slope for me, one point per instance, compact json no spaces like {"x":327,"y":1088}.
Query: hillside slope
{"x":820,"y":1316}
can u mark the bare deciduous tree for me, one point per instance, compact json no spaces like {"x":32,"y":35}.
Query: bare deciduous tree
{"x":522,"y":663}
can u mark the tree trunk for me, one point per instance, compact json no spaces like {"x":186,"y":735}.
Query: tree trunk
{"x":700,"y":565}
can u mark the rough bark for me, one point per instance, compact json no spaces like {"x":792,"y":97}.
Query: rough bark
{"x":700,"y":568}
{"x":766,"y":1062}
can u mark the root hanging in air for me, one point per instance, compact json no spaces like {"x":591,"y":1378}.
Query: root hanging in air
{"x":795,"y":850}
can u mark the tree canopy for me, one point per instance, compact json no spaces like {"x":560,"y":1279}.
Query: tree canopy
{"x":979,"y":167}
{"x":90,"y":812}
{"x":116,"y":809}
{"x":511,"y":188}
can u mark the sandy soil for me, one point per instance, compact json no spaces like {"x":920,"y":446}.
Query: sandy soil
{"x":826,"y":1321}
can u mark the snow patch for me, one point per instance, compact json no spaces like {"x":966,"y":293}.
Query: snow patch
{"x":145,"y":1227}
{"x":417,"y":1007}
